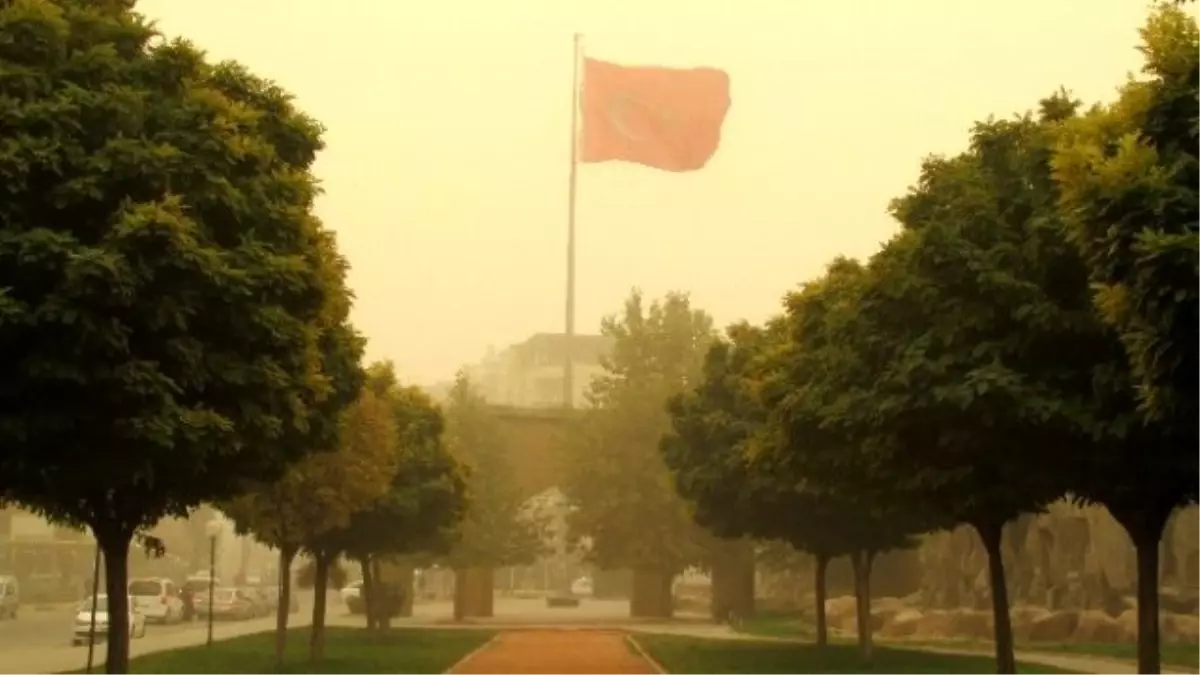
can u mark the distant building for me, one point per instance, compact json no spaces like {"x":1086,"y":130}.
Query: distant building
{"x":530,"y":373}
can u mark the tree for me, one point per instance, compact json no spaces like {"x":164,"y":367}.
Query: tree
{"x":318,"y":497}
{"x":1128,"y":175}
{"x":616,"y":475}
{"x":741,"y":475}
{"x":495,"y":530}
{"x":993,"y":388}
{"x":423,"y":504}
{"x":160,"y":276}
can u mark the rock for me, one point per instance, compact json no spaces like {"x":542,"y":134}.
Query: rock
{"x":974,"y":624}
{"x":1096,"y":626}
{"x":1128,"y":625}
{"x":883,"y":609}
{"x":935,"y":624}
{"x":1023,"y":617}
{"x":902,"y":624}
{"x":954,"y":623}
{"x":1180,"y":628}
{"x":1057,"y":627}
{"x":840,"y":611}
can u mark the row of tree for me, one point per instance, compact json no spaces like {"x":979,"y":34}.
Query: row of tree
{"x":405,"y":485}
{"x":175,"y":321}
{"x":1029,"y":335}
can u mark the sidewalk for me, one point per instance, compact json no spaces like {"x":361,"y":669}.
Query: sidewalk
{"x":556,"y":651}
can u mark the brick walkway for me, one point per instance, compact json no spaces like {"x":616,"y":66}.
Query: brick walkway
{"x":556,"y":651}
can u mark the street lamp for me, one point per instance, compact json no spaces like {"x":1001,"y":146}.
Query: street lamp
{"x":213,"y":529}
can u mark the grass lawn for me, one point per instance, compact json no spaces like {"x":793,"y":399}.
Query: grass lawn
{"x":1183,"y":654}
{"x":779,"y":625}
{"x":695,"y":655}
{"x":787,"y":625}
{"x":347,"y":650}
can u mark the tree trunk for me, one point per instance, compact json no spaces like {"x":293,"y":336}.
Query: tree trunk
{"x":991,"y":535}
{"x":286,"y":554}
{"x":384,"y":617}
{"x":316,"y":635}
{"x":819,"y":593}
{"x":405,"y":577}
{"x":368,"y":592}
{"x":1149,"y":658}
{"x":115,"y":546}
{"x":861,"y":562}
{"x":652,"y":597}
{"x":1145,"y":525}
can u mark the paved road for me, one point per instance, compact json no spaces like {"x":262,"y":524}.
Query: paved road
{"x":39,"y":641}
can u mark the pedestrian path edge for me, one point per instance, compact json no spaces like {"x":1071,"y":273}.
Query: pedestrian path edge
{"x":472,"y":655}
{"x":641,"y":651}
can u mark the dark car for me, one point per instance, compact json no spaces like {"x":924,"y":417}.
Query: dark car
{"x":228,"y":603}
{"x":257,"y":597}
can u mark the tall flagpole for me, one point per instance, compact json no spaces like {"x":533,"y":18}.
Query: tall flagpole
{"x":569,"y":340}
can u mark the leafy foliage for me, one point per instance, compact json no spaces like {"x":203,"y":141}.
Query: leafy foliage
{"x":737,"y":471}
{"x":495,"y":530}
{"x":320,"y":494}
{"x":616,"y":476}
{"x":1129,"y":176}
{"x":425,"y":501}
{"x":173,"y":308}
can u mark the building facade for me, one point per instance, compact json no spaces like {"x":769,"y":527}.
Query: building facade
{"x":529,"y":374}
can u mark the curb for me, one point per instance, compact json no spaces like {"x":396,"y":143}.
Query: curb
{"x":472,"y":654}
{"x":644,"y":654}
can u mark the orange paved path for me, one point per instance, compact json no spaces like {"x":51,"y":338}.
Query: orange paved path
{"x":556,"y":651}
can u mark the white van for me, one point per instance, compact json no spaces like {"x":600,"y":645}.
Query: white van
{"x":158,"y":599}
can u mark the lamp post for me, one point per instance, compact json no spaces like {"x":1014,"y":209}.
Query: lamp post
{"x":213,"y":529}
{"x":95,"y":592}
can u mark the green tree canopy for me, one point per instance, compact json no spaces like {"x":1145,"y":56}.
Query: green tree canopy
{"x":495,"y":530}
{"x":1129,"y":176}
{"x":420,"y":511}
{"x":627,"y":504}
{"x":730,"y":464}
{"x":163,"y":282}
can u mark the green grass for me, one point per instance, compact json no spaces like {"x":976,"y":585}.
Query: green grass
{"x":778,"y":625}
{"x":347,"y":650}
{"x":1185,"y":655}
{"x":695,"y":655}
{"x":790,"y":625}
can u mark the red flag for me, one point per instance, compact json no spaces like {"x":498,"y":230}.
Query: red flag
{"x":665,"y":118}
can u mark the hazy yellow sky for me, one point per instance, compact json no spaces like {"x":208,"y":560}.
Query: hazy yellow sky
{"x":448,"y":127}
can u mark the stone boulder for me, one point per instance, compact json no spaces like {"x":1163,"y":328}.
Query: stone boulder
{"x":902,"y":624}
{"x":1096,"y":626}
{"x":1180,"y":628}
{"x":954,"y":623}
{"x":1056,"y":627}
{"x":1023,"y":617}
{"x":840,"y":613}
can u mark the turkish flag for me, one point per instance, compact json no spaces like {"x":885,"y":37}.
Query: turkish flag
{"x":665,"y":118}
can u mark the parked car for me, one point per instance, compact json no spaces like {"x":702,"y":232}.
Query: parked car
{"x":83,"y":621}
{"x":228,"y":603}
{"x":582,"y":586}
{"x":198,"y":583}
{"x":157,"y":598}
{"x":258,"y":597}
{"x":352,"y":596}
{"x":10,"y":597}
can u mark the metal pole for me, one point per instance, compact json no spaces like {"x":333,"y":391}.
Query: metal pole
{"x":95,"y":591}
{"x":569,"y":339}
{"x":212,"y":581}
